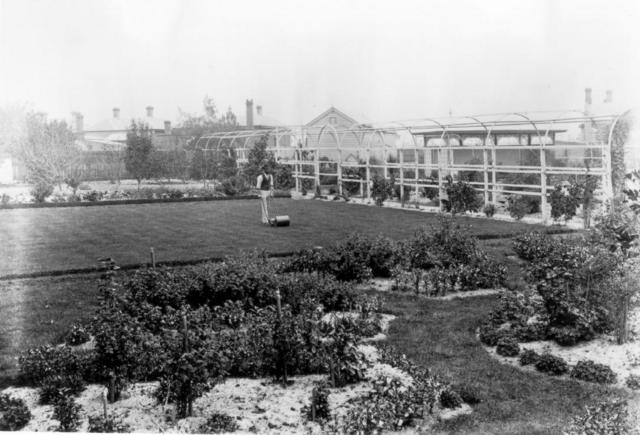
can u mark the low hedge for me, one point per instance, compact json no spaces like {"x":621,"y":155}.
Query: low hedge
{"x":130,"y":201}
{"x":551,"y":364}
{"x":587,"y":370}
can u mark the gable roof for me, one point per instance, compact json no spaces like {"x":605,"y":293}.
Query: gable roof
{"x":332,"y":110}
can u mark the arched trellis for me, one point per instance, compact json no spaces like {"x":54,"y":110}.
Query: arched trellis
{"x":544,"y":126}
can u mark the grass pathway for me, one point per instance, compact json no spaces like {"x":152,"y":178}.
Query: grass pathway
{"x":440,"y":335}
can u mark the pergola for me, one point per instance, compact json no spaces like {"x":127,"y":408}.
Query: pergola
{"x":421,"y":153}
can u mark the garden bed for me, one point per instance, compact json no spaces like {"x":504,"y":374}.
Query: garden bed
{"x":255,"y":405}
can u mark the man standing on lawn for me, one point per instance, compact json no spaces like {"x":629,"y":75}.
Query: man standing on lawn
{"x":265,"y":185}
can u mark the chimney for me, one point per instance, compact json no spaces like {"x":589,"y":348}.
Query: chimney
{"x":116,"y":113}
{"x":149,"y":111}
{"x":587,"y":99}
{"x":587,"y":131}
{"x":609,"y":97}
{"x":259,"y":110}
{"x":78,"y":122}
{"x":167,"y":127}
{"x":250,"y":113}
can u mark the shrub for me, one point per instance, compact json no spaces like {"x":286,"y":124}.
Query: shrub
{"x":40,"y":363}
{"x":93,"y":196}
{"x":551,"y":364}
{"x":382,"y":189}
{"x":100,"y":424}
{"x":608,"y":417}
{"x":235,"y":185}
{"x":563,"y":204}
{"x":41,"y":191}
{"x":190,"y":369}
{"x":528,"y":356}
{"x":389,"y":407}
{"x":78,"y":334}
{"x":248,"y":278}
{"x":450,"y":399}
{"x":533,"y":246}
{"x":343,"y":361}
{"x":14,"y":413}
{"x":67,"y":412}
{"x":219,"y":423}
{"x":569,"y":336}
{"x":489,"y":210}
{"x":518,"y":206}
{"x":318,"y":408}
{"x":462,"y":197}
{"x":507,"y":346}
{"x":490,"y":334}
{"x":590,"y":371}
{"x":633,"y":382}
{"x":382,"y":256}
{"x":54,"y":387}
{"x":468,"y":394}
{"x":533,"y":331}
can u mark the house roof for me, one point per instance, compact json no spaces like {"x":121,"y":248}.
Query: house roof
{"x":124,"y":124}
{"x":332,"y":110}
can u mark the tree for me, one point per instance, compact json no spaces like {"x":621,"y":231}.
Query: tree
{"x":257,"y":157}
{"x":48,"y":150}
{"x":204,"y":164}
{"x":137,"y":158}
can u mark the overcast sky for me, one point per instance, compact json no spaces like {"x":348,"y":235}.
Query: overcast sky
{"x":375,"y":60}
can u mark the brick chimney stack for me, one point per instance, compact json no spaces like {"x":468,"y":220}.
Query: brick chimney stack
{"x":587,"y":100}
{"x":609,"y":96}
{"x":116,"y":113}
{"x":587,"y":130}
{"x":149,"y":111}
{"x":250,"y":113}
{"x":167,"y":127}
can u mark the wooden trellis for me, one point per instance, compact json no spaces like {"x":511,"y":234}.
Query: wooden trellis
{"x":421,"y":148}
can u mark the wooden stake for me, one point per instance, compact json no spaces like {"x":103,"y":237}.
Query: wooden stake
{"x":112,"y":387}
{"x":185,"y":337}
{"x":153,"y":258}
{"x":279,"y":307}
{"x":104,"y":403}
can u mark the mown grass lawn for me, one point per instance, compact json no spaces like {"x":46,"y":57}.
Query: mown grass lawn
{"x":45,"y":239}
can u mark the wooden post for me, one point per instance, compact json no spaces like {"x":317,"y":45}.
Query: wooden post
{"x":401,"y":161}
{"x":185,"y":332}
{"x":368,"y":173}
{"x":485,"y":172}
{"x":279,"y":308}
{"x":153,"y":257}
{"x":112,"y":387}
{"x":103,"y":396}
{"x":543,"y":180}
{"x":317,"y":170}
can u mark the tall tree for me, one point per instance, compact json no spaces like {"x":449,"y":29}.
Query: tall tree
{"x":137,"y":157}
{"x":48,"y":150}
{"x":257,"y":157}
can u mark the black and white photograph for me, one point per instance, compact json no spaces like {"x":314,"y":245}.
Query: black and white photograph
{"x":338,"y":217}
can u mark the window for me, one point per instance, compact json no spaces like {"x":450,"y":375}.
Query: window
{"x":333,"y":120}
